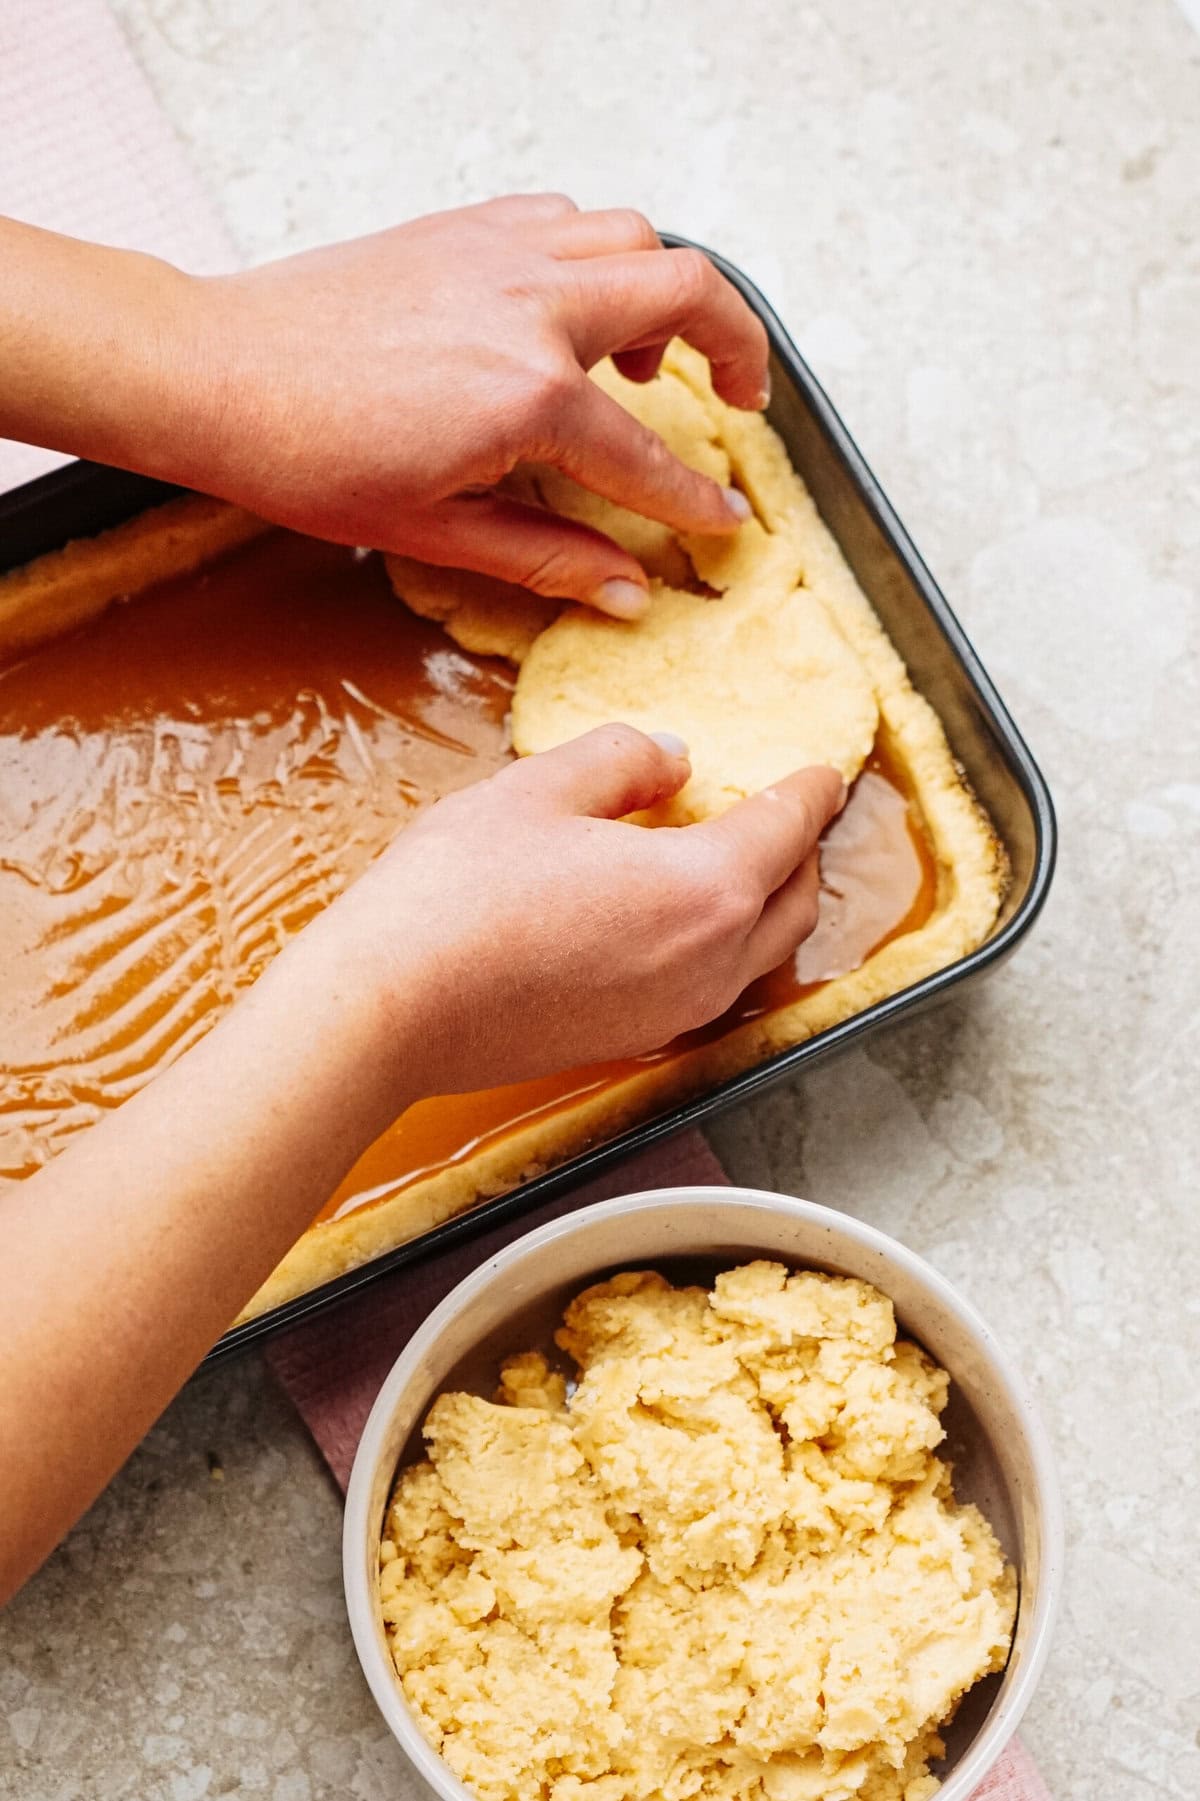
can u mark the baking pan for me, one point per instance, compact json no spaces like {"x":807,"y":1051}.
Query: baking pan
{"x":83,"y":498}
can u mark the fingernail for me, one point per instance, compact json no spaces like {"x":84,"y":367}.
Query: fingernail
{"x":621,"y":598}
{"x":737,"y":503}
{"x":671,"y":743}
{"x":764,"y":393}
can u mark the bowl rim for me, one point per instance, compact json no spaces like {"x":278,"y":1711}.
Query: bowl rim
{"x":1002,"y":1720}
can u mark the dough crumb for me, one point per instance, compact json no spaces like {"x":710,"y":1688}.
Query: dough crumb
{"x":726,"y":1563}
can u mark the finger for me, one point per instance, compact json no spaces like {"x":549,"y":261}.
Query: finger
{"x":532,"y":548}
{"x":640,"y":365}
{"x":771,"y":834}
{"x":608,"y":772}
{"x":524,"y":209}
{"x":626,"y":302}
{"x":789,"y":917}
{"x":612,"y":231}
{"x":604,"y":448}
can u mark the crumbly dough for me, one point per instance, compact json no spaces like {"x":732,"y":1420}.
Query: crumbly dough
{"x":728,"y":1564}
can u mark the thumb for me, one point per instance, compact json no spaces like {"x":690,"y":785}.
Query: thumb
{"x":608,"y":772}
{"x":530,"y":547}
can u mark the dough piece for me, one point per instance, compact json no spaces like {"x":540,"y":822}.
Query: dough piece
{"x":752,"y":555}
{"x":487,"y":616}
{"x":689,"y":428}
{"x":757,"y":683}
{"x":758,"y":460}
{"x":655,"y":546}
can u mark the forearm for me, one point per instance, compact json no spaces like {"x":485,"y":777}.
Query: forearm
{"x":128,"y":1256}
{"x":99,"y":354}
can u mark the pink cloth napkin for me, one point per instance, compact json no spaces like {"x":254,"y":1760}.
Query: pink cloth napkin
{"x":86,"y":149}
{"x":334,"y":1366}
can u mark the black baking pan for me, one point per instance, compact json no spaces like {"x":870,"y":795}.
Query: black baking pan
{"x":83,"y":498}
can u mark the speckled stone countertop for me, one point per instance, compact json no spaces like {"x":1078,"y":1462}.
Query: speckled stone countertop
{"x":982,"y":225}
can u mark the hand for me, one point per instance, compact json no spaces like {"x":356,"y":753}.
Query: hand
{"x":521,"y":926}
{"x":375,"y":392}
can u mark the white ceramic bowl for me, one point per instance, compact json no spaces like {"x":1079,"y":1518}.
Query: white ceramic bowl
{"x":1001,"y":1457}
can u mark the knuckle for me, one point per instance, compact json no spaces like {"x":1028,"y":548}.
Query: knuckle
{"x":636,"y":228}
{"x":659,"y":464}
{"x":693,"y":275}
{"x":796,"y":819}
{"x":804,"y":818}
{"x":719,"y":992}
{"x":627,"y":742}
{"x":551,"y":384}
{"x":658,"y":452}
{"x":719,"y":893}
{"x":738,"y":905}
{"x":518,"y":784}
{"x":807,"y":913}
{"x":454,"y":813}
{"x":552,"y":574}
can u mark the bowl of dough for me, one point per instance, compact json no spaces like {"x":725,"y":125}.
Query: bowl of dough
{"x":702,"y":1492}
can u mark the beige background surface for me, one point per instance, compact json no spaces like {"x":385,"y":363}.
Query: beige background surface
{"x":982,"y":224}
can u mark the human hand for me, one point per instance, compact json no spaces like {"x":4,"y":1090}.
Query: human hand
{"x":375,"y":392}
{"x":522,"y":926}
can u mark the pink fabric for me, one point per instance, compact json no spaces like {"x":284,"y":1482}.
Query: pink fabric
{"x":85,"y":149}
{"x":1014,"y":1778}
{"x":334,"y":1366}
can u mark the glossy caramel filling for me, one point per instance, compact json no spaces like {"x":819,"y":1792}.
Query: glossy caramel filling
{"x":189,"y":778}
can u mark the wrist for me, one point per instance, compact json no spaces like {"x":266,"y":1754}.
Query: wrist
{"x":157,"y":413}
{"x":87,"y":337}
{"x":110,"y":354}
{"x":356,"y":1021}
